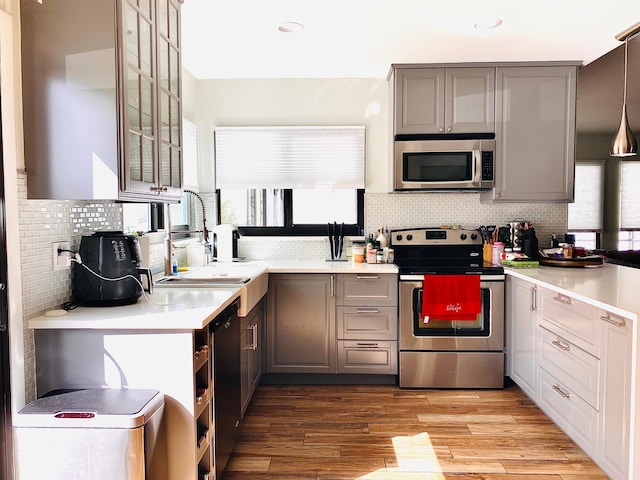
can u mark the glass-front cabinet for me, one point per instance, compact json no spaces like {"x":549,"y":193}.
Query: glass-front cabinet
{"x":102,"y":99}
{"x":153,"y":141}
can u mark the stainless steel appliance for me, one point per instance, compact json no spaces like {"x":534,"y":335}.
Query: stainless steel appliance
{"x":444,"y":353}
{"x":444,"y":162}
{"x":227,"y":404}
{"x":110,"y":271}
{"x":92,"y":433}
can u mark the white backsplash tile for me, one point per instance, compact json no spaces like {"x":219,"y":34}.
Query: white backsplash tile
{"x":42,"y":222}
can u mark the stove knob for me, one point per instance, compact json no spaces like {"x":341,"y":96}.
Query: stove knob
{"x":398,"y":237}
{"x":409,"y":237}
{"x":463,"y":236}
{"x":474,"y":236}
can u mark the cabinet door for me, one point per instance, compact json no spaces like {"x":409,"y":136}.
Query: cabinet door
{"x":169,"y":97}
{"x":522,"y":324}
{"x":470,"y":100}
{"x":419,"y":100}
{"x":152,"y":117}
{"x":535,"y":134}
{"x":615,"y":408}
{"x":251,"y":354}
{"x":301,"y":324}
{"x":139,"y":93}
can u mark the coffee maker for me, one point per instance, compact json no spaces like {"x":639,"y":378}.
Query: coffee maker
{"x":225,"y":242}
{"x":110,"y":270}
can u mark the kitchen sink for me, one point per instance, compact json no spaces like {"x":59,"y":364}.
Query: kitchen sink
{"x":201,"y":282}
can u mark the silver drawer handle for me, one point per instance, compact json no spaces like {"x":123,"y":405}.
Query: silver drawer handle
{"x":562,"y":393}
{"x":561,"y":346}
{"x":367,"y":345}
{"x":367,"y":310}
{"x":561,"y":299}
{"x":367,"y":277}
{"x":612,"y":321}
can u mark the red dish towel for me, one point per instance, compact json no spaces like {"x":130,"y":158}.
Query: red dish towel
{"x":451,"y":297}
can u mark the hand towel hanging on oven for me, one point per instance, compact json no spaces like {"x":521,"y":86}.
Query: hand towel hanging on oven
{"x":451,"y":297}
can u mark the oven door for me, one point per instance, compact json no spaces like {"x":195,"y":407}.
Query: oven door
{"x":486,"y":333}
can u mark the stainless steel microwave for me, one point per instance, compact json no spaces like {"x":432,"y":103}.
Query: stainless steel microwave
{"x":444,"y":164}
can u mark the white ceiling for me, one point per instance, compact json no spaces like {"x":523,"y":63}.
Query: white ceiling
{"x":362,"y":38}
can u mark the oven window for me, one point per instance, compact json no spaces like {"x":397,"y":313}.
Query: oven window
{"x":448,"y":328}
{"x":437,"y":167}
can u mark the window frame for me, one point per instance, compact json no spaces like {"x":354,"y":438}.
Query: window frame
{"x":302,"y":230}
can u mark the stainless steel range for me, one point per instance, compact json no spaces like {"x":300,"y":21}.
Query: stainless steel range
{"x":443,"y":351}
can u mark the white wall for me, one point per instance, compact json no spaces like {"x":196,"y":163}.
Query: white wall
{"x":260,"y":102}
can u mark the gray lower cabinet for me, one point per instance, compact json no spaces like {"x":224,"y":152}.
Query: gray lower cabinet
{"x":367,"y":323}
{"x":251,"y":351}
{"x":301,"y":323}
{"x":326,"y":323}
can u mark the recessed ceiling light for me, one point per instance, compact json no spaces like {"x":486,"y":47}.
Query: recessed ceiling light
{"x":487,"y":23}
{"x":290,"y":27}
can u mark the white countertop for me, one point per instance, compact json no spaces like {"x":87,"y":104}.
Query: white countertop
{"x":167,"y":309}
{"x":612,"y":287}
{"x":192,"y":307}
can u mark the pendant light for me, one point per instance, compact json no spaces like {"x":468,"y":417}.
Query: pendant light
{"x":624,"y":144}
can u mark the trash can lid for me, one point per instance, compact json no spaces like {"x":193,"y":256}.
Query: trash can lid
{"x":94,"y":407}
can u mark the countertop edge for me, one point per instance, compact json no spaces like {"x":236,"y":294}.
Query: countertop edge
{"x":540,"y":280}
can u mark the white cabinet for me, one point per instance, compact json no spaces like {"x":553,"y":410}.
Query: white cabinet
{"x":522,"y":308}
{"x":580,"y":372}
{"x":535,"y":134}
{"x":444,"y":100}
{"x":614,"y":453}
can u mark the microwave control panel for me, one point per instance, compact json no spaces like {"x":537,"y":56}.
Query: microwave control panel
{"x":487,"y":166}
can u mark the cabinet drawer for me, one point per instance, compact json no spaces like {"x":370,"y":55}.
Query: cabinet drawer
{"x":366,"y":289}
{"x":572,"y":414}
{"x":368,"y":356}
{"x":577,"y":369}
{"x":367,"y":323}
{"x":572,"y":319}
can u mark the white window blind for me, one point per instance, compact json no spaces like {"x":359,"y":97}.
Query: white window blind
{"x":587,"y":210}
{"x":630,"y":195}
{"x":290,"y":157}
{"x":190,"y":154}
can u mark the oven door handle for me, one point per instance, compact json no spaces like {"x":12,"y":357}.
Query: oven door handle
{"x":417,"y":302}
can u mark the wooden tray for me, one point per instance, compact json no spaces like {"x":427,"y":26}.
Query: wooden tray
{"x":578,"y":262}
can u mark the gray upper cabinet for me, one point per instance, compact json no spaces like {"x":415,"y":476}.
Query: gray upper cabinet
{"x":102,"y":101}
{"x":444,"y":100}
{"x":535,"y":134}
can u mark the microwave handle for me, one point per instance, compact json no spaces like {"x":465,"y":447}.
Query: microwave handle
{"x":477,"y":167}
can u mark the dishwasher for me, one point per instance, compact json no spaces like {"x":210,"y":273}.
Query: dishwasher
{"x":225,"y":330}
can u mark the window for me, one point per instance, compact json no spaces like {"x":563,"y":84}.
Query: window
{"x":585,"y":215}
{"x":290,"y":180}
{"x":629,"y":235}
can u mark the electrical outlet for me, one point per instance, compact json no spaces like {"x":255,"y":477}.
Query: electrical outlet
{"x":61,"y":260}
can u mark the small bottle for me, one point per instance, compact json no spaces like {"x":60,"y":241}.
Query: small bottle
{"x":498,"y":249}
{"x":382,"y":239}
{"x":174,"y":264}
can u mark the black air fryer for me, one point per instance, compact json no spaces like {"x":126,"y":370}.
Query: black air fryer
{"x":111,"y":255}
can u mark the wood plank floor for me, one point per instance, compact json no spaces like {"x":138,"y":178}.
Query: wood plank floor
{"x":383,"y":432}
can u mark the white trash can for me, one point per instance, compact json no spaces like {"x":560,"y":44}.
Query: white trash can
{"x":92,"y":434}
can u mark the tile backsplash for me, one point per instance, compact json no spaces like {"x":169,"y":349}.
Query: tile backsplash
{"x":394,"y":211}
{"x":41,"y":223}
